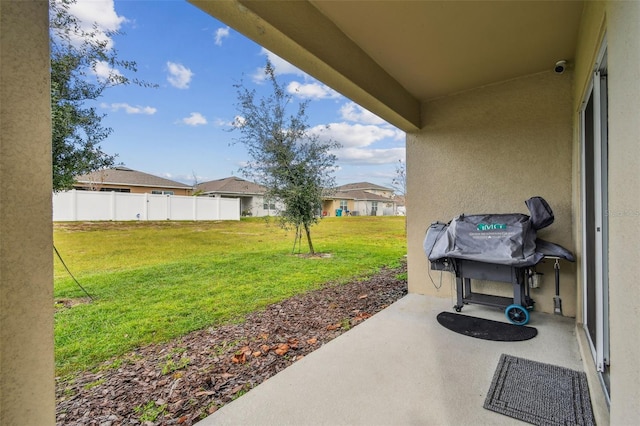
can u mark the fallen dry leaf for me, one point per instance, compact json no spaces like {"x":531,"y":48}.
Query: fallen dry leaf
{"x":363,"y":296}
{"x":312,"y":341}
{"x":256,"y":354}
{"x":333,"y":327}
{"x":282,"y":349}
{"x":264,"y":336}
{"x":237,"y":389}
{"x":265,"y":348}
{"x":240,"y":358}
{"x":361,"y":316}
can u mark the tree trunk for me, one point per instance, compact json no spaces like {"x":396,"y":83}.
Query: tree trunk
{"x":308,"y":232}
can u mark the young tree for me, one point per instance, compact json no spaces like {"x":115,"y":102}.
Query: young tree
{"x":399,"y":185}
{"x":76,"y":57}
{"x":399,"y":181}
{"x":294,"y":165}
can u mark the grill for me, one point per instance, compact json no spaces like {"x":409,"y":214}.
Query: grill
{"x":497,"y":247}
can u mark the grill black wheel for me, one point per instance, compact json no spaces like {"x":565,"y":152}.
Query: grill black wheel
{"x":517,"y":314}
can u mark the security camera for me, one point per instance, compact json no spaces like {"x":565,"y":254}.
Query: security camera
{"x":560,"y":67}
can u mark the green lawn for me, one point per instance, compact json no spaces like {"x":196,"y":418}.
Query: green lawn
{"x":153,"y":281}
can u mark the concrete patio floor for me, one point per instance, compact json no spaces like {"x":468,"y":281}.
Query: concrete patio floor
{"x":401,"y":367}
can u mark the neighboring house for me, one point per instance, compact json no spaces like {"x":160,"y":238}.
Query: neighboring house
{"x":401,"y":206}
{"x":360,"y":199}
{"x":490,"y":121}
{"x":252,"y":200}
{"x":124,"y":179}
{"x":371,"y":188}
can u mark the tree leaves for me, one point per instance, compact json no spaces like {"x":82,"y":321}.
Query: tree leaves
{"x":294,"y":165}
{"x":76,"y":129}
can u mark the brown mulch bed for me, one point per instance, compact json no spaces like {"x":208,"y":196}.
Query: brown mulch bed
{"x":182,"y":381}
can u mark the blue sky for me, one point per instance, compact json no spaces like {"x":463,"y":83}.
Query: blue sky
{"x":181,"y":128}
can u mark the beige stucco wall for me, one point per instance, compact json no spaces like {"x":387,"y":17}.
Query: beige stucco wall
{"x":487,"y":151}
{"x":619,"y":21}
{"x":26,"y":236}
{"x":330,"y":206}
{"x":624,"y":206}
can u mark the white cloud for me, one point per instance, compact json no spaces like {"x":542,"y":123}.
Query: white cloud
{"x":280,"y":66}
{"x":129,"y":109}
{"x":357,"y":141}
{"x":354,"y":135}
{"x":221,"y":122}
{"x":354,"y":112}
{"x":221,"y":33}
{"x":238,"y":121}
{"x":312,"y":90}
{"x":259,"y":76}
{"x":195,"y":119}
{"x":179,"y":75}
{"x":103,"y":71}
{"x":99,"y":12}
{"x":371,"y":156}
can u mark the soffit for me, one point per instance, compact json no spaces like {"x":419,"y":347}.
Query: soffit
{"x":436,"y":48}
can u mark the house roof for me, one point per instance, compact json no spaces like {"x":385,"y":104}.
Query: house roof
{"x":231,"y":185}
{"x":125,"y":176}
{"x":363,"y":186}
{"x":392,"y":57}
{"x":357,"y":195}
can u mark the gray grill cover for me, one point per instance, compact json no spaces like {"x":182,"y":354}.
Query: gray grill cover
{"x":506,"y":239}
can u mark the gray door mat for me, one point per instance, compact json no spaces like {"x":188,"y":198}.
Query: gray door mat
{"x":540,"y":394}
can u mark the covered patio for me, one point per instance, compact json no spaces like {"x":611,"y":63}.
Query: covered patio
{"x":402,"y":367}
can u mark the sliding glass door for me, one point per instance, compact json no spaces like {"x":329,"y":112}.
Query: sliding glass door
{"x":595,"y":217}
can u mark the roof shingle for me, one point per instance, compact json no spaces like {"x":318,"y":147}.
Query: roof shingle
{"x":362,"y":186}
{"x":231,"y":185}
{"x":125,"y":176}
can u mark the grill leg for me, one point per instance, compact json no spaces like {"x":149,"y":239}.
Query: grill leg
{"x":557,"y":302}
{"x":518,"y":298}
{"x":459,"y":293}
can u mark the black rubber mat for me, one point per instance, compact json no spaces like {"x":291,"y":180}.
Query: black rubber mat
{"x":485,"y":329}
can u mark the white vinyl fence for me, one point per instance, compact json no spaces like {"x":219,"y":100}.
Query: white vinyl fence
{"x":95,"y":205}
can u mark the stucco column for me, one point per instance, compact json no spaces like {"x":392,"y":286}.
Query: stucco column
{"x":26,"y":259}
{"x":623,"y":34}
